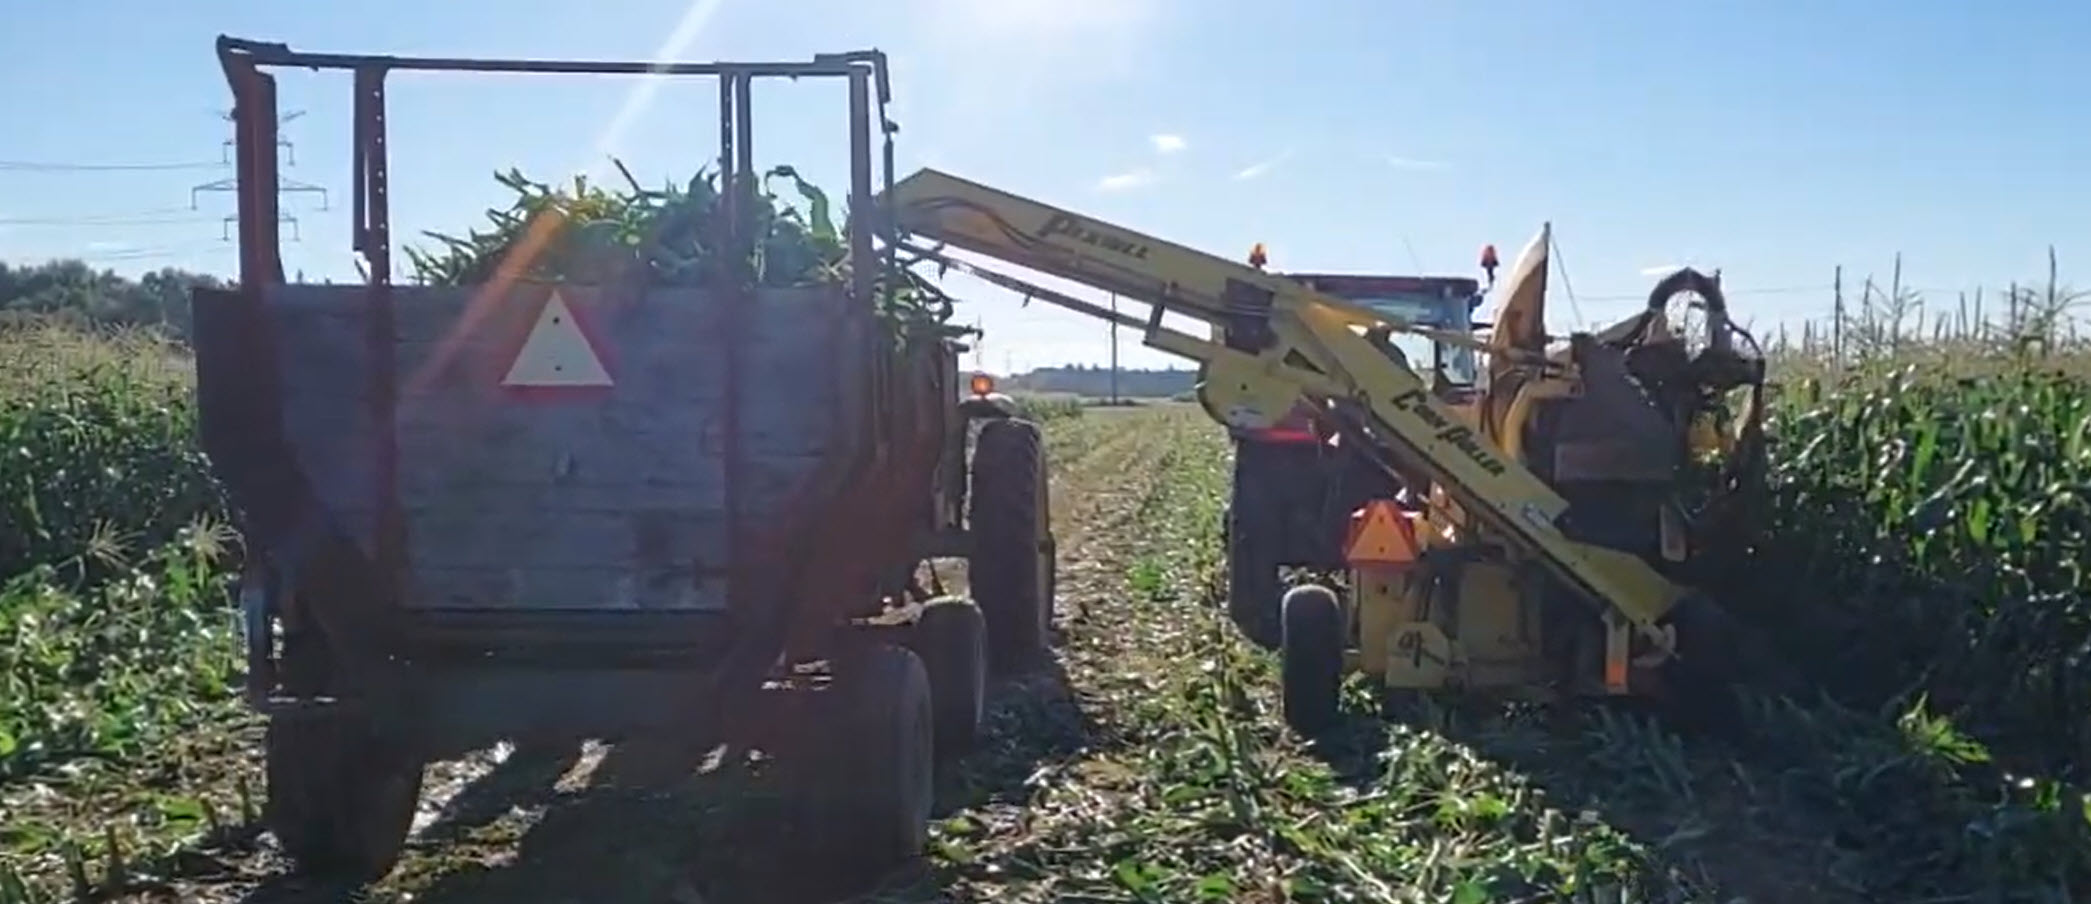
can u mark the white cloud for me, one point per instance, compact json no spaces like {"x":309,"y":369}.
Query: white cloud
{"x":1411,"y":163}
{"x":1124,"y":181}
{"x":1261,"y":168}
{"x":1166,"y":143}
{"x":1254,"y":170}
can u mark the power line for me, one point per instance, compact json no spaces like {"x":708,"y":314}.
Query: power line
{"x":225,"y":223}
{"x":148,"y":253}
{"x":111,"y":224}
{"x":43,"y":166}
{"x":1772,"y":290}
{"x":197,"y":248}
{"x":162,"y":216}
{"x":1798,"y":290}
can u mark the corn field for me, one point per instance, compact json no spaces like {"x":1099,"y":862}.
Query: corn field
{"x":1938,"y":527}
{"x":1931,"y":473}
{"x":113,"y":626}
{"x":1924,"y":563}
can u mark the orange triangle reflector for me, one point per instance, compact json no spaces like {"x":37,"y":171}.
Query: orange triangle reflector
{"x":1382,"y":534}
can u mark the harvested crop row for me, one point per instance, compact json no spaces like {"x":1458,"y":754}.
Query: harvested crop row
{"x":1190,"y":789}
{"x":121,"y":733}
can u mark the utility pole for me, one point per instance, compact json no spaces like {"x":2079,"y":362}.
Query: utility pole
{"x":1837,"y":316}
{"x":1114,"y":348}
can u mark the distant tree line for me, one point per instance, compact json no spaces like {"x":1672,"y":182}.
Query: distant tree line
{"x":1095,"y":382}
{"x":72,"y":290}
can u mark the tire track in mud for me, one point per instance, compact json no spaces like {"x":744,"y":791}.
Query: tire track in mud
{"x":1106,"y":468}
{"x":495,"y":826}
{"x":1058,"y":727}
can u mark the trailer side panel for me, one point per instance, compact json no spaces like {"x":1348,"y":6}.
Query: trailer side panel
{"x":523,"y":491}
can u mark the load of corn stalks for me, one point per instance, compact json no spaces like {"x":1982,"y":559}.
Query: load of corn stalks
{"x":588,"y":233}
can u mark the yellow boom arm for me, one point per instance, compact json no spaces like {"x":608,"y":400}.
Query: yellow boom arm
{"x":1280,"y":342}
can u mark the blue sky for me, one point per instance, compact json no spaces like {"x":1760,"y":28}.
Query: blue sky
{"x":1775,"y":139}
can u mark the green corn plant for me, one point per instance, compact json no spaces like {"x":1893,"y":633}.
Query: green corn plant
{"x":1941,"y":523}
{"x":586,"y":233}
{"x":97,"y":451}
{"x":112,"y":670}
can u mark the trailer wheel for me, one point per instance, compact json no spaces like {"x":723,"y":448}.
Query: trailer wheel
{"x":1311,"y":658}
{"x":951,"y":638}
{"x":341,"y":798}
{"x":1011,"y":569}
{"x":870,"y":802}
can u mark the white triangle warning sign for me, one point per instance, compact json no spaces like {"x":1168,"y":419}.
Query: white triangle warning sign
{"x":558,"y":353}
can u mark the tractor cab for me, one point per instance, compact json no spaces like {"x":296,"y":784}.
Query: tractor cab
{"x":1295,"y":486}
{"x":1439,"y":302}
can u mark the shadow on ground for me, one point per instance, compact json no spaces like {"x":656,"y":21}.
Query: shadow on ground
{"x":1804,"y":802}
{"x":1708,"y":827}
{"x":729,"y":837}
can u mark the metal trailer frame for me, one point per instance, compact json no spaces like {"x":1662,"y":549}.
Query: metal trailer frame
{"x":255,"y":117}
{"x":846,"y":539}
{"x":937,"y":523}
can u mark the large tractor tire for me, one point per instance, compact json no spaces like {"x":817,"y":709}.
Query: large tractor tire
{"x":951,"y":638}
{"x":1252,"y":575}
{"x":341,"y":798}
{"x":1011,"y":570}
{"x":1310,"y":663}
{"x":868,"y":803}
